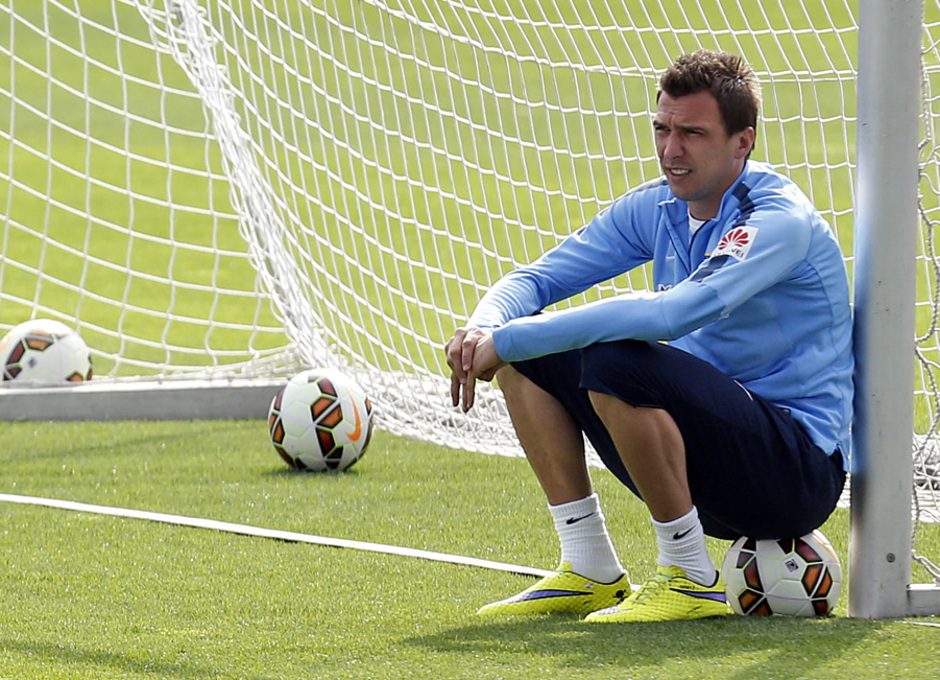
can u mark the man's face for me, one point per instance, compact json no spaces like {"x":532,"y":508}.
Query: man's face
{"x":700,"y":160}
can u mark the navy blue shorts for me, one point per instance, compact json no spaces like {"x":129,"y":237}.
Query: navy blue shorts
{"x":753,"y":470}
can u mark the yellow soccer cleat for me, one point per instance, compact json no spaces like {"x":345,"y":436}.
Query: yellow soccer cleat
{"x":668,"y":596}
{"x":564,"y":592}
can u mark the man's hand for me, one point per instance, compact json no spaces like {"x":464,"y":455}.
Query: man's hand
{"x":471,"y":355}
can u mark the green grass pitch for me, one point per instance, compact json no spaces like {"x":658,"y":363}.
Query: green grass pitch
{"x":88,"y":597}
{"x":94,"y":597}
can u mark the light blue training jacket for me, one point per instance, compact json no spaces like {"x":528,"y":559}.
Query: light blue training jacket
{"x":760,"y":292}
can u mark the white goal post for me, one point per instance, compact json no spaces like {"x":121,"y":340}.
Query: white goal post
{"x":219,"y":193}
{"x":886,"y":227}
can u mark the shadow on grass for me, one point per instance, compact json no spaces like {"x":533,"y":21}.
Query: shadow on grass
{"x":309,"y":476}
{"x":736,"y":648}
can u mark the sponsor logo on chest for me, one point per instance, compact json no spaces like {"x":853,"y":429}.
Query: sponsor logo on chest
{"x":736,"y":243}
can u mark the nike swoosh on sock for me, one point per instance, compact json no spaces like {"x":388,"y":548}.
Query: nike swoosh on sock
{"x":575,"y":520}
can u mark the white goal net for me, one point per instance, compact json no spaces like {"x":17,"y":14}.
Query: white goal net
{"x":235,"y":189}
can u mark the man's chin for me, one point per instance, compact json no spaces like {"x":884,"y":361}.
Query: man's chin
{"x":679,"y":190}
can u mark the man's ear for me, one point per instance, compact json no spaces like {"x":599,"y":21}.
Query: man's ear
{"x":745,"y":142}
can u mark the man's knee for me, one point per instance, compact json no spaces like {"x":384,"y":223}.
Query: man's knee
{"x":517,"y":388}
{"x":509,"y":379}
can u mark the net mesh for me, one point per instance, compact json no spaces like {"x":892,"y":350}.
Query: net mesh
{"x":242,"y":188}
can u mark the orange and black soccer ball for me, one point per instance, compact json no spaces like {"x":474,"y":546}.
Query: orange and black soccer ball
{"x":320,"y":420}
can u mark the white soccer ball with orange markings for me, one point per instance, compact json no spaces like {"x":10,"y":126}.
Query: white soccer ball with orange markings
{"x":794,"y":576}
{"x":44,"y":352}
{"x":320,"y":420}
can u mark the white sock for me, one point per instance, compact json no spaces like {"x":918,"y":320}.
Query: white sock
{"x":585,"y":543}
{"x":682,"y":544}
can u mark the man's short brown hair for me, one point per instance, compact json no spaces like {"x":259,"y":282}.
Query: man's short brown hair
{"x":727,"y":76}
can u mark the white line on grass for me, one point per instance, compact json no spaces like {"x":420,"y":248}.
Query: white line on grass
{"x":247,"y":530}
{"x":922,"y":623}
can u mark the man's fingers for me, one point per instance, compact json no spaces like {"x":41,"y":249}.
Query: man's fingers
{"x":469,"y":392}
{"x":454,"y":348}
{"x":467,"y":349}
{"x":454,"y":389}
{"x":462,"y":356}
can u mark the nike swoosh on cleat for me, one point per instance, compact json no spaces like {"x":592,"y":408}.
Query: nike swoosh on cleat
{"x":543,"y":594}
{"x":716,"y":596}
{"x":575,"y":520}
